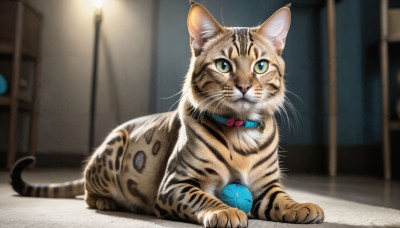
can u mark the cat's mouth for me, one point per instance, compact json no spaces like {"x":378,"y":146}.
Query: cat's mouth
{"x":243,"y":103}
{"x":243,"y":99}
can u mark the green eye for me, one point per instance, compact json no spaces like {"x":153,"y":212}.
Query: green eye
{"x":223,"y":65}
{"x":261,"y":67}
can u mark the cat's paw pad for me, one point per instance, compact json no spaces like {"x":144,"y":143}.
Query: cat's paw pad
{"x":231,"y":217}
{"x":303,"y":213}
{"x":105,"y":204}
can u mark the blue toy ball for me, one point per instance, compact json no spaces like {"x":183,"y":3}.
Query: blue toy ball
{"x":237,"y":195}
{"x":3,"y":85}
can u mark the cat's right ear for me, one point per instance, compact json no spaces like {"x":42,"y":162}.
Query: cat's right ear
{"x":202,"y":26}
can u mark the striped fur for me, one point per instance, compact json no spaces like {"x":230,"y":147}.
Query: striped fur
{"x":174,"y":164}
{"x":60,"y":190}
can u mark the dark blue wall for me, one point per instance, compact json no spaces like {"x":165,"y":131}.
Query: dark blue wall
{"x":358,"y":82}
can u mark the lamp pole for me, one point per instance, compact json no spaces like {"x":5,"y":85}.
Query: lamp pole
{"x":98,"y":19}
{"x":332,"y":108}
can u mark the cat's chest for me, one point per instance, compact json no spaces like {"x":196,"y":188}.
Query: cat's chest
{"x":241,"y":154}
{"x":242,"y":142}
{"x":238,"y":168}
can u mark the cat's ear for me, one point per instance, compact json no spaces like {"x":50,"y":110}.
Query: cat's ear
{"x":202,"y":26}
{"x":276,"y":28}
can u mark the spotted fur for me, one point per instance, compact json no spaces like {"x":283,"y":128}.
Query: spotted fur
{"x":175,"y":164}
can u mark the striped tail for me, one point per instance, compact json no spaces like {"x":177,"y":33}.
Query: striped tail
{"x":59,"y":190}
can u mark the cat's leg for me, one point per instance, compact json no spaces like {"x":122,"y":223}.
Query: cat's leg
{"x":272,"y":203}
{"x":100,"y":171}
{"x":100,"y":202}
{"x":183,"y":199}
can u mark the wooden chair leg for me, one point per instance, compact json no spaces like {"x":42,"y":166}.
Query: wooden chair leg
{"x":35,"y":103}
{"x":34,"y":112}
{"x":12,"y":132}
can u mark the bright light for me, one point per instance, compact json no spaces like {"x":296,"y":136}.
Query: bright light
{"x":98,"y":4}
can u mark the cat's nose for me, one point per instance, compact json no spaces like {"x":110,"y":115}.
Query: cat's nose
{"x":243,"y":87}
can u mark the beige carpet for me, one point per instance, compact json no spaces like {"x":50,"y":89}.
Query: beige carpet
{"x":18,"y":211}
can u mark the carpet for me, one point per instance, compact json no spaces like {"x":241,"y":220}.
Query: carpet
{"x":16,"y":211}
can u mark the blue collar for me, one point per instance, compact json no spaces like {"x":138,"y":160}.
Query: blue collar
{"x":239,"y":123}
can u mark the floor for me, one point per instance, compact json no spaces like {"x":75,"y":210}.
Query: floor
{"x":367,"y":190}
{"x":355,"y":202}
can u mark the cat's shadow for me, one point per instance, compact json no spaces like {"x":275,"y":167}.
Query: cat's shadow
{"x":147,"y":220}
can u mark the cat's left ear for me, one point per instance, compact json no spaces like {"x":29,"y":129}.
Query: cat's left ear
{"x":276,"y":28}
{"x":202,"y":26}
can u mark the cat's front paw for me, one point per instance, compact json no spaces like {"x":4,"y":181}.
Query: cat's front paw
{"x":231,"y":217}
{"x":106,"y":204}
{"x":303,"y":213}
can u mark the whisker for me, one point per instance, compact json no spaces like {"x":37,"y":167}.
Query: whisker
{"x":293,"y":110}
{"x":222,"y":100}
{"x":170,"y":108}
{"x":290,"y":124}
{"x":199,"y":111}
{"x":166,"y":98}
{"x":183,"y":94}
{"x":294,"y":95}
{"x":223,"y":103}
{"x":222,"y":18}
{"x":203,"y":111}
{"x":281,"y":117}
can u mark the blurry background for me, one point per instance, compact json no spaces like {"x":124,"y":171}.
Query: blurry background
{"x":144,"y":56}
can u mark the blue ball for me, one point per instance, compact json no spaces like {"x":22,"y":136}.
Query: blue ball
{"x":3,"y":85}
{"x":237,"y":195}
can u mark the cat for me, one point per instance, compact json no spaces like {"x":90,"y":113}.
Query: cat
{"x":175,"y":164}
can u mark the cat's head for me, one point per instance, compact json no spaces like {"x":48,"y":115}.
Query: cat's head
{"x":236,"y":72}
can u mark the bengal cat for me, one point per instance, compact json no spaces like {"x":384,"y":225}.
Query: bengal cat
{"x":175,"y":164}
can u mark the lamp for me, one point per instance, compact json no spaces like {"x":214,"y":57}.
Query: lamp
{"x":98,"y":4}
{"x":98,"y":18}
